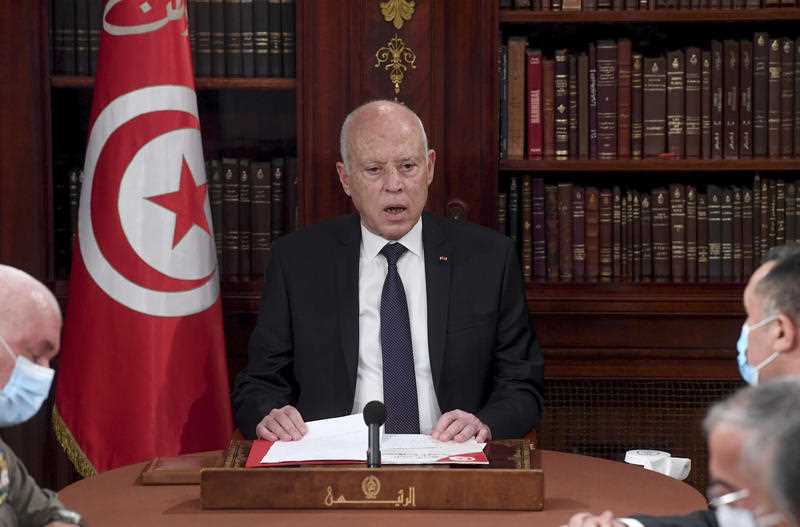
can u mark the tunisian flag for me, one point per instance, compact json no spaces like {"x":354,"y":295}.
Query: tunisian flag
{"x":142,"y":371}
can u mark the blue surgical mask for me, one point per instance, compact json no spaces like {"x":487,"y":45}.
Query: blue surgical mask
{"x":748,"y":371}
{"x":26,"y":390}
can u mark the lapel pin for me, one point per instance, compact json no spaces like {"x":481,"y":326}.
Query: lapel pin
{"x":443,"y":258}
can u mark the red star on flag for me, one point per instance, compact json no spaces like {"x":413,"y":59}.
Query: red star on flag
{"x":186,"y":203}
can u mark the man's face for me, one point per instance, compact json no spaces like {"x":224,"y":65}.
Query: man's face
{"x":760,"y":344}
{"x":727,"y":471}
{"x":39,"y":345}
{"x":389,"y":171}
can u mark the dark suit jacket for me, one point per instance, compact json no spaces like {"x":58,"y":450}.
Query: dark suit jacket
{"x":704,"y":518}
{"x":304,"y":349}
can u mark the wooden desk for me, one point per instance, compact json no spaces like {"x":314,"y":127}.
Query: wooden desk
{"x":572,"y":483}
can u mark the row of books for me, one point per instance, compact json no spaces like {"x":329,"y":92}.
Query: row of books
{"x":567,"y":232}
{"x":733,"y":100}
{"x":622,"y":5}
{"x":229,"y":38}
{"x":252,"y":204}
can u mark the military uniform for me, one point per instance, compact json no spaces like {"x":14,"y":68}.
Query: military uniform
{"x":22,"y":501}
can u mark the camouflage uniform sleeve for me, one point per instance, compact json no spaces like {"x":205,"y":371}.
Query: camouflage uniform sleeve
{"x":32,"y":504}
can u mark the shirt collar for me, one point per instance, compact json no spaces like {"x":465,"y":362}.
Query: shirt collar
{"x":371,"y":243}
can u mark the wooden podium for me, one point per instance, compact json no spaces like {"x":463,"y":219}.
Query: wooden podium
{"x":513,"y":480}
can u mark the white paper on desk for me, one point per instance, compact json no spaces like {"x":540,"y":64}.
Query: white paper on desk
{"x":420,"y":449}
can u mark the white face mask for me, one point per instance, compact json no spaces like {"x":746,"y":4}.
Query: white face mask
{"x":26,"y":390}
{"x":729,"y":515}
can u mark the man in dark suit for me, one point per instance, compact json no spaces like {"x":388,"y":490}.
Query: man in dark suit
{"x":426,"y":314}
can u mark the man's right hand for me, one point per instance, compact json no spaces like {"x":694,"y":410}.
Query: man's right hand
{"x":587,"y":519}
{"x":284,"y":424}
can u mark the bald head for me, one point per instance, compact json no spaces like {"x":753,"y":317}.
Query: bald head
{"x":30,"y":320}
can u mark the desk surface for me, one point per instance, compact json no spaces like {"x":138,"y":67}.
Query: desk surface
{"x":573,"y":483}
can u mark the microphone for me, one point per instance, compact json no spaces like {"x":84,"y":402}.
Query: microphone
{"x":374,"y":417}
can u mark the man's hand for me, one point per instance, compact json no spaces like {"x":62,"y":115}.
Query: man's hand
{"x":285,"y":424}
{"x":460,"y":426}
{"x":587,"y":519}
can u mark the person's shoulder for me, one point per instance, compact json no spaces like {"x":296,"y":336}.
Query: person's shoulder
{"x":320,"y":236}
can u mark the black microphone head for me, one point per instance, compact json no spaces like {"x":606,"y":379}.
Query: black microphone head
{"x":374,"y":413}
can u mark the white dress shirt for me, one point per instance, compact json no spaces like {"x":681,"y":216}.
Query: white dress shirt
{"x":372,"y":269}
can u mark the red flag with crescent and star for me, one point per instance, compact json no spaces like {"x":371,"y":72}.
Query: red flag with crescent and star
{"x":142,"y":371}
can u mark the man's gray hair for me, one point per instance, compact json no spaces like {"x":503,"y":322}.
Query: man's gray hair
{"x":784,"y":480}
{"x":760,"y":413}
{"x":344,"y":133}
{"x":780,"y":288}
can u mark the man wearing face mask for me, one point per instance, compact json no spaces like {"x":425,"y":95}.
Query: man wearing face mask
{"x":30,"y":328}
{"x":768,"y":348}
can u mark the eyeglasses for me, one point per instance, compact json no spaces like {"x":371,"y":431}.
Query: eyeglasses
{"x":727,"y":499}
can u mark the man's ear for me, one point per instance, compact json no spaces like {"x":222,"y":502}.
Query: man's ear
{"x":431,"y":160}
{"x":343,"y":178}
{"x":787,"y":338}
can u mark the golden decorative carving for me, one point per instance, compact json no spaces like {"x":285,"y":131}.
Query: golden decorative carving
{"x":397,"y":12}
{"x":371,"y":486}
{"x":396,"y":58}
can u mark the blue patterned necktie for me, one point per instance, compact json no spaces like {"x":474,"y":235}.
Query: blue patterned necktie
{"x":399,"y":379}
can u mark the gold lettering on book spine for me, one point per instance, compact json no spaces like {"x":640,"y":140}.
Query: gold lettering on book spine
{"x":396,"y":58}
{"x":397,"y":12}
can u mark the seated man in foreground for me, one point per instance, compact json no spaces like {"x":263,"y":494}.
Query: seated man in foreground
{"x":392,"y":304}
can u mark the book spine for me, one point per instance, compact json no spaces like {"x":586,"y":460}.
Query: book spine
{"x":627,"y":239}
{"x":714,"y":233}
{"x":676,"y":104}
{"x":774,"y":98}
{"x":192,"y":15}
{"x":275,"y":39}
{"x":731,"y":108}
{"x":645,"y":216}
{"x":261,"y":37}
{"x":592,"y":233}
{"x":702,"y":237}
{"x":203,"y":38}
{"x":513,"y":211}
{"x":539,"y":226}
{"x":562,"y":104}
{"x":606,"y":235}
{"x":288,"y":38}
{"x":772,"y":213}
{"x":245,"y":232}
{"x":661,"y":233}
{"x":82,"y":37}
{"x":516,"y":97}
{"x":277,"y":188}
{"x":748,"y":261}
{"x":717,"y":93}
{"x":780,"y":212}
{"x":607,"y":99}
{"x":756,"y":219}
{"x":573,"y":107}
{"x":678,"y":231}
{"x":583,"y":106}
{"x":217,"y":38}
{"x":791,"y":212}
{"x":738,"y":256}
{"x":535,"y":147}
{"x":797,"y":212}
{"x":565,"y":231}
{"x":636,"y":236}
{"x":693,"y":104}
{"x":726,"y":220}
{"x":705,"y":104}
{"x":592,"y":101}
{"x":616,"y":226}
{"x":578,"y":234}
{"x":526,"y":242}
{"x":654,"y":118}
{"x":247,"y":38}
{"x":624,"y":67}
{"x":691,"y":233}
{"x":787,"y":98}
{"x":230,"y":212}
{"x":502,"y":213}
{"x":95,"y":23}
{"x":503,"y":72}
{"x":548,"y":108}
{"x":552,"y":235}
{"x":797,"y":98}
{"x":764,"y":217}
{"x":636,"y":106}
{"x":261,"y":218}
{"x":233,"y":38}
{"x":216,"y":190}
{"x":64,"y":37}
{"x":760,"y":93}
{"x":746,"y":99}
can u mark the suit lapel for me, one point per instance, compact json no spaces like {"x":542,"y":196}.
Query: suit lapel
{"x":438,"y":253}
{"x":346,"y":259}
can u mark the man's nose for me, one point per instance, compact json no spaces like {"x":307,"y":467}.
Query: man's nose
{"x":392,"y":181}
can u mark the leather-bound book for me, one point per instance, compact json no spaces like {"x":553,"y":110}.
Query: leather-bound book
{"x":637,"y":63}
{"x":677,"y":221}
{"x":787,"y":98}
{"x":573,"y":107}
{"x":583,"y":106}
{"x":797,"y":211}
{"x":659,"y":206}
{"x":217,"y":38}
{"x":548,"y":108}
{"x":513,"y":212}
{"x":746,"y":99}
{"x":203,"y":38}
{"x":502,"y":67}
{"x":526,"y":242}
{"x":772,"y":213}
{"x":691,"y":233}
{"x":797,"y":98}
{"x":578,"y":233}
{"x":694,"y":68}
{"x":230,"y":213}
{"x":717,"y":98}
{"x":726,"y":221}
{"x":538,"y":235}
{"x":636,"y":234}
{"x":676,"y":104}
{"x":191,"y":14}
{"x":604,"y":4}
{"x":82,"y":37}
{"x":714,"y":232}
{"x":64,"y":37}
{"x":702,"y":237}
{"x":74,"y":183}
{"x":571,"y":5}
{"x":791,"y":212}
{"x":606,"y":235}
{"x":516,"y":97}
{"x":764,"y":217}
{"x":95,"y":23}
{"x":730,"y":110}
{"x":780,"y":212}
{"x":565,"y":231}
{"x":760,"y":93}
{"x":522,"y":4}
{"x":624,"y":103}
{"x":288,"y":37}
{"x":646,"y":236}
{"x":747,"y":232}
{"x":233,"y":38}
{"x":592,"y":101}
{"x":655,"y":106}
{"x":607,"y":99}
{"x":277,"y":189}
{"x":534,"y":106}
{"x":216,"y":190}
{"x":551,"y":221}
{"x":774,"y":99}
{"x":705,"y":106}
{"x":625,"y":235}
{"x":752,"y":4}
{"x":756,"y":219}
{"x":616,"y":226}
{"x":502,"y":213}
{"x":261,"y":216}
{"x":592,"y":233}
{"x":275,"y":39}
{"x":589,"y":5}
{"x":245,"y":212}
{"x":261,"y":37}
{"x":738,"y":252}
{"x":561,"y":102}
{"x":247,"y":40}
